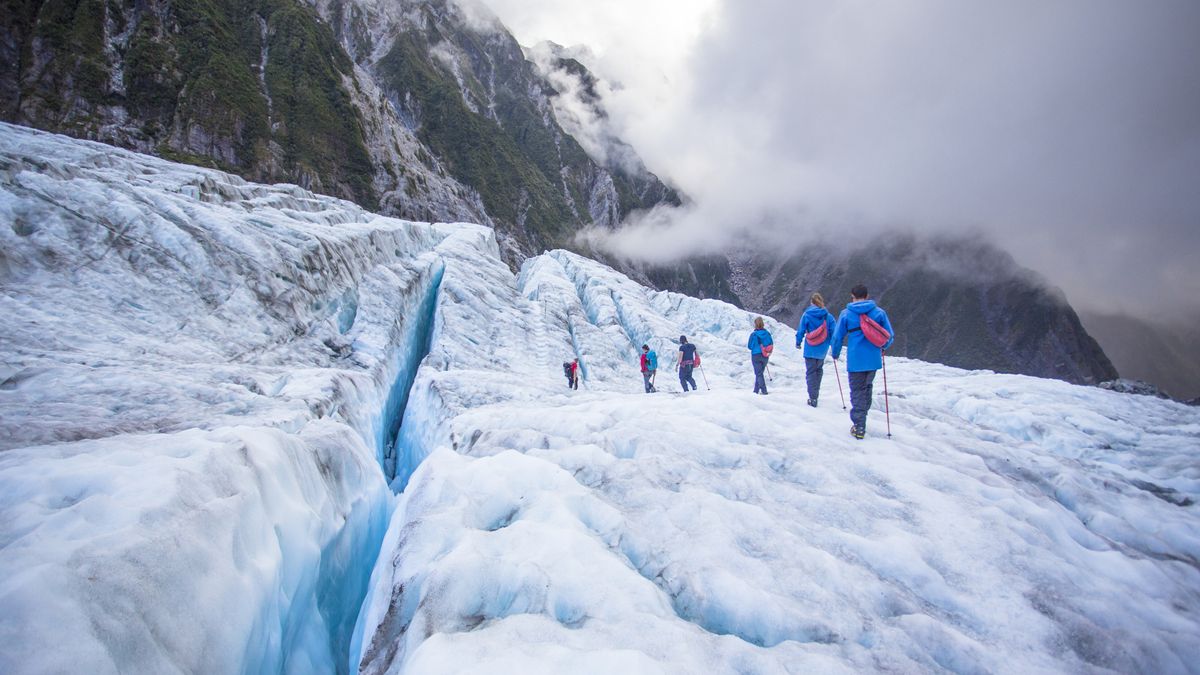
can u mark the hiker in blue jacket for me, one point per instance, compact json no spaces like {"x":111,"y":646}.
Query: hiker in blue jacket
{"x":815,"y":334}
{"x":649,"y":364}
{"x":760,"y":346}
{"x":862,"y":357}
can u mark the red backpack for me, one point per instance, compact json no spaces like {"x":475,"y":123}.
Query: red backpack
{"x":767,"y":349}
{"x":875,"y":334}
{"x":817,"y":335}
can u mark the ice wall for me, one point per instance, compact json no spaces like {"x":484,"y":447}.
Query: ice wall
{"x":199,"y":378}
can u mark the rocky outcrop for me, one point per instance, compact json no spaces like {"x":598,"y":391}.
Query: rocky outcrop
{"x":1127,"y":386}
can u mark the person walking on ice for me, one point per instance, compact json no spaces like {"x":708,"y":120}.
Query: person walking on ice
{"x":760,"y":345}
{"x":649,"y":364}
{"x":867,"y":332}
{"x":688,"y":358}
{"x":816,"y":333}
{"x":571,"y":370}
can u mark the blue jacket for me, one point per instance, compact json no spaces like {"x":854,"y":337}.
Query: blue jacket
{"x":861,"y":355}
{"x":810,"y":320}
{"x":759,"y":338}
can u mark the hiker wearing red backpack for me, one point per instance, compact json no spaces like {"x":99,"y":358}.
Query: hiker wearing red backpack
{"x":816,"y":334}
{"x":688,"y":359}
{"x":868,"y":332}
{"x":760,"y":346}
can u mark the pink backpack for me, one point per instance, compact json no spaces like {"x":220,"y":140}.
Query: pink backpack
{"x":875,"y":334}
{"x":817,"y":335}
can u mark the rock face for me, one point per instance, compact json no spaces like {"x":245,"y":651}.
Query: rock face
{"x":960,"y":302}
{"x":412,"y":107}
{"x":1126,"y":386}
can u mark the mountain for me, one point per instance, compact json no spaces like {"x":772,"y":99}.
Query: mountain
{"x":417,"y":108}
{"x":957,"y":301}
{"x":251,"y":428}
{"x":1163,"y":355}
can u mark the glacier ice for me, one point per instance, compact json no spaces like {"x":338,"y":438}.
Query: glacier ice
{"x":208,"y":385}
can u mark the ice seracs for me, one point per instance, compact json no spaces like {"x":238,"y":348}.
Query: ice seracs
{"x":209,"y":387}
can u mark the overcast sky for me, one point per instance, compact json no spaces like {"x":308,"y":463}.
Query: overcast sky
{"x":1067,"y":131}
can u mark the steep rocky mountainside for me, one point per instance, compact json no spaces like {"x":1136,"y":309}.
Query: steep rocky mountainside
{"x":411,"y":107}
{"x":961,"y":302}
{"x":1159,"y":354}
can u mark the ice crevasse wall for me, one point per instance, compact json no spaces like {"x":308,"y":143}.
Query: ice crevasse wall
{"x":202,"y":384}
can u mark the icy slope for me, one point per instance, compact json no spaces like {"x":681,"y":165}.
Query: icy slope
{"x":1012,"y":525}
{"x":195,"y":389}
{"x":206,"y":392}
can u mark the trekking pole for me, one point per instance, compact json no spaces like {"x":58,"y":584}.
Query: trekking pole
{"x":705,"y":378}
{"x":767,"y":368}
{"x":839,"y":381}
{"x":886,"y":413}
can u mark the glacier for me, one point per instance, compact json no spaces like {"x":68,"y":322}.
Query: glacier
{"x":246,"y":428}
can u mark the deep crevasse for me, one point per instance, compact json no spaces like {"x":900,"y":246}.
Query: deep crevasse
{"x":206,"y":372}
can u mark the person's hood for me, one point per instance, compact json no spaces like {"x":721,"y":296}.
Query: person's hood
{"x":816,"y":312}
{"x":861,"y":307}
{"x":762,"y":330}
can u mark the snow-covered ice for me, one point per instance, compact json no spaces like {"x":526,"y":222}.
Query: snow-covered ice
{"x":208,"y":386}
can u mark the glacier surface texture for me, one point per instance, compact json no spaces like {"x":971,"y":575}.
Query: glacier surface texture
{"x":250,"y":429}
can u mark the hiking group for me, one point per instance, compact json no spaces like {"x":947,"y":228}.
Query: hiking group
{"x":862,"y":326}
{"x":867,"y":332}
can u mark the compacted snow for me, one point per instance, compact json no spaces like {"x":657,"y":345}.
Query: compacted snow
{"x":208,"y":387}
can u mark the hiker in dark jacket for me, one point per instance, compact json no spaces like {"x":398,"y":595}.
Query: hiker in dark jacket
{"x":760,"y":346}
{"x":571,"y":369}
{"x":687,"y":361}
{"x":862,"y":357}
{"x":815,"y":334}
{"x":649,"y":363}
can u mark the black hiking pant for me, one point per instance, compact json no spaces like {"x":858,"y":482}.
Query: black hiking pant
{"x":647,"y":376}
{"x":760,"y":364}
{"x":861,"y":386}
{"x":685,"y":377}
{"x":814,"y":370}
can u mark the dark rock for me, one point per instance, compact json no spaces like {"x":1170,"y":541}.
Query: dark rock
{"x":1126,"y":386}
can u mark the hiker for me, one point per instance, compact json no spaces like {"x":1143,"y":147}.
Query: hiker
{"x":816,"y":334}
{"x":649,"y":367}
{"x":860,"y":324}
{"x":688,"y":359}
{"x":571,"y":370}
{"x":761,"y":346}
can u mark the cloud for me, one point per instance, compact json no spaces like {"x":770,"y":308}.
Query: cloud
{"x":1068,"y":131}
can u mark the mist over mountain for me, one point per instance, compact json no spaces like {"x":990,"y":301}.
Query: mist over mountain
{"x":1163,"y":354}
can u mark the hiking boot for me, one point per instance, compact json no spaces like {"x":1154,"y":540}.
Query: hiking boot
{"x":858,"y":432}
{"x":812,"y":402}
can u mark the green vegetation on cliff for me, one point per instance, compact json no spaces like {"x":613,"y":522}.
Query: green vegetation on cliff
{"x":475,"y":149}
